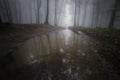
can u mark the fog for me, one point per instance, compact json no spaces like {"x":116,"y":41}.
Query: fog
{"x":83,"y":13}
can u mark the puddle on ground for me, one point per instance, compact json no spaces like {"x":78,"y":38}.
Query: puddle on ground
{"x":60,"y":55}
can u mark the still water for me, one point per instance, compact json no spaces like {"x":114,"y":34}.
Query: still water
{"x":59,"y":55}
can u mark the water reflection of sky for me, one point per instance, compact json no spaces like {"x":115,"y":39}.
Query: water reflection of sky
{"x":67,"y":34}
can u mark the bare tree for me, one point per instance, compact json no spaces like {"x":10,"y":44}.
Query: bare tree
{"x":75,"y":13}
{"x":98,"y":13}
{"x":6,"y":9}
{"x":84,"y":15}
{"x":9,"y":11}
{"x":38,"y":8}
{"x":19,"y":6}
{"x":79,"y":12}
{"x":55,"y":20}
{"x":111,"y":24}
{"x":47,"y":13}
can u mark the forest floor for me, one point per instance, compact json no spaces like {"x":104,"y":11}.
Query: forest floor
{"x":109,"y":39}
{"x":14,"y":35}
{"x":44,"y":52}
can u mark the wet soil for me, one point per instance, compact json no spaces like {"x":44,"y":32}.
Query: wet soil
{"x":63,"y":54}
{"x":109,"y":43}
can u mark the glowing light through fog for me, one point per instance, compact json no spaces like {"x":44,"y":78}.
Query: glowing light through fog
{"x":68,"y":16}
{"x":68,"y":22}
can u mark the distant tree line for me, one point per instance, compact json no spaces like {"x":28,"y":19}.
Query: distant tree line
{"x":86,"y":13}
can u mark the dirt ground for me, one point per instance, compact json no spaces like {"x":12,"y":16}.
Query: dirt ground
{"x":109,"y":43}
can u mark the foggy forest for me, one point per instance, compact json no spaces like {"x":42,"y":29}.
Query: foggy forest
{"x":86,"y":13}
{"x":59,"y":39}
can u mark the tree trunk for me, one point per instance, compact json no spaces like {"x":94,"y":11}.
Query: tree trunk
{"x":75,"y":14}
{"x":7,"y":13}
{"x":47,"y":13}
{"x":55,"y":20}
{"x":111,"y":24}
{"x":38,"y":8}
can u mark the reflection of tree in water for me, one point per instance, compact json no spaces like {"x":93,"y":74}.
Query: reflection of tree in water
{"x":57,"y":61}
